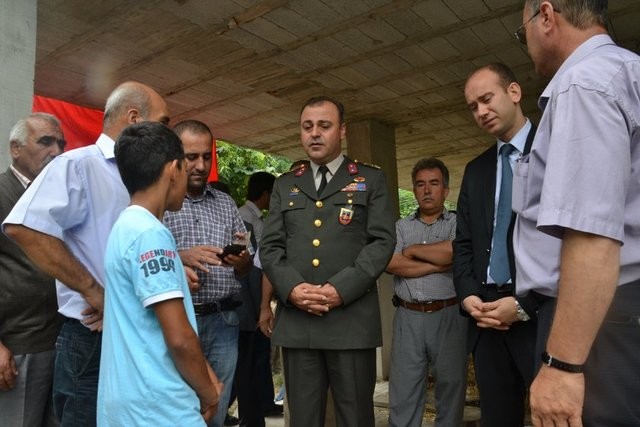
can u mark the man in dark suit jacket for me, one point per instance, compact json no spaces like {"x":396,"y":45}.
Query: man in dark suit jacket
{"x":502,"y":330}
{"x":330,"y":233}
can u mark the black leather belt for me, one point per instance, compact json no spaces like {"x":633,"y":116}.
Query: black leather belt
{"x":426,"y":306}
{"x":226,"y":304}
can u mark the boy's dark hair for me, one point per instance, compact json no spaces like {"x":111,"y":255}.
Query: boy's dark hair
{"x":430,"y":163}
{"x":259,"y":182}
{"x":142,"y":151}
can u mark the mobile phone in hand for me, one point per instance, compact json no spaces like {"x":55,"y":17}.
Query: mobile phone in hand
{"x":232,"y":249}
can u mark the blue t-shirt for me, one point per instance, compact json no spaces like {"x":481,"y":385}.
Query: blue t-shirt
{"x":139,"y":383}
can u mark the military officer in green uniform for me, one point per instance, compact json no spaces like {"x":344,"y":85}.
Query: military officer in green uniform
{"x":330,"y":233}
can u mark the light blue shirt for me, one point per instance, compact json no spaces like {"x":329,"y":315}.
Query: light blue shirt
{"x":583,"y":171}
{"x":519,"y":140}
{"x":139,"y":383}
{"x":76,"y":199}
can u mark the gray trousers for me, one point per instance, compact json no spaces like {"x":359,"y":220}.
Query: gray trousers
{"x":437,"y":342}
{"x":29,"y":403}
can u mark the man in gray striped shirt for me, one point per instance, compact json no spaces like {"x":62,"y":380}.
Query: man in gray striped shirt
{"x":428,"y":331}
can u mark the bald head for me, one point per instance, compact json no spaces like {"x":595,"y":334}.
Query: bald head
{"x":133,"y":102}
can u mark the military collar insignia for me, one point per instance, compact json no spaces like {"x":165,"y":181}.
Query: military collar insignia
{"x":352,"y":168}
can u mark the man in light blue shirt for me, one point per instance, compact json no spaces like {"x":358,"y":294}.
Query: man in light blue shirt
{"x":62,"y":223}
{"x":580,"y":186}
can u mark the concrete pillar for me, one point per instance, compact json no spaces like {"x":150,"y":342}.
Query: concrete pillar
{"x":374,"y":142}
{"x":18,"y":19}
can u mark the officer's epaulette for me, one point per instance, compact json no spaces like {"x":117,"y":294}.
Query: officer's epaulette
{"x":367,"y":164}
{"x":298,"y":171}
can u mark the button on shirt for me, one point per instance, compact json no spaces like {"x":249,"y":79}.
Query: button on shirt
{"x":410,"y":231}
{"x":210,"y":219}
{"x":584,"y":167}
{"x":76,"y":198}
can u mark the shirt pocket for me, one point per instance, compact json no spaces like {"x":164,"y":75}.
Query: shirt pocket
{"x":293,"y":211}
{"x":352,"y":210}
{"x":520,"y":190}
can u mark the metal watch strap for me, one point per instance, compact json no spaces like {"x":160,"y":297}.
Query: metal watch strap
{"x":552,"y":362}
{"x":520,"y":313}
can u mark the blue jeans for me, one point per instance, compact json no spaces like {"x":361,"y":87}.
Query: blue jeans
{"x":219,"y":339}
{"x":75,"y":374}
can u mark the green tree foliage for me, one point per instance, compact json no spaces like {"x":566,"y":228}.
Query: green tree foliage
{"x":236,"y":164}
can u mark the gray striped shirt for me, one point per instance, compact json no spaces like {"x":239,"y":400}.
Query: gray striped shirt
{"x":410,"y":231}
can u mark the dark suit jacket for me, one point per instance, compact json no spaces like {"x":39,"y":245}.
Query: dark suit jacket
{"x":350,"y":253}
{"x":29,"y":319}
{"x":472,"y":245}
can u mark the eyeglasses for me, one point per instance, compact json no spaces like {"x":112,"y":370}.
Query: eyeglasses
{"x":521,"y":32}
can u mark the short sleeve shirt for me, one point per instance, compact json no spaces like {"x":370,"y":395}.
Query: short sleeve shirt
{"x":410,"y":231}
{"x":139,"y":381}
{"x":583,"y":171}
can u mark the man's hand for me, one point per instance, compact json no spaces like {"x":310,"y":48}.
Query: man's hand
{"x":333,"y":299}
{"x":198,"y":257}
{"x":476,"y":309}
{"x":8,"y":370}
{"x":208,"y":409}
{"x":307,"y":297}
{"x":557,"y":398}
{"x":502,"y":311}
{"x":241,"y":263}
{"x":92,"y":316}
{"x":192,"y":279}
{"x":265,"y":321}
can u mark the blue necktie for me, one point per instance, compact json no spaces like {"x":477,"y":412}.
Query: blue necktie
{"x":499,"y":261}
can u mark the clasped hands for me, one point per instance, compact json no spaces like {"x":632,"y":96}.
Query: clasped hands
{"x":498,"y":314}
{"x":315,"y":299}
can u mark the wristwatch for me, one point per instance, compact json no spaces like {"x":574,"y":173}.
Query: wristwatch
{"x":520,"y":313}
{"x":552,"y":362}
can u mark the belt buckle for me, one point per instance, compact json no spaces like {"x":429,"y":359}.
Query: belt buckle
{"x":427,"y":304}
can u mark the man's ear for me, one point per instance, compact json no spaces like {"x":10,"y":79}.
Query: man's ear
{"x":133,"y":116}
{"x":14,"y":148}
{"x":515,"y":92}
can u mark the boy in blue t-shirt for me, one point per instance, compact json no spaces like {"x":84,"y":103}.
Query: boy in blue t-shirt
{"x":152,"y":370}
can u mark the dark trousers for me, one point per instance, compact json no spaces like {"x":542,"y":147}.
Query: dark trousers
{"x":612,"y":373}
{"x":253,"y":380}
{"x":350,"y":373}
{"x":504,"y":364}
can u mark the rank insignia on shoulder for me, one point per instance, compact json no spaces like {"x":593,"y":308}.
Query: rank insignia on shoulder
{"x":352,"y":168}
{"x":371,"y":165}
{"x":345,"y":216}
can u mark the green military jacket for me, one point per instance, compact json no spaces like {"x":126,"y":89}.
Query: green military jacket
{"x":345,"y":238}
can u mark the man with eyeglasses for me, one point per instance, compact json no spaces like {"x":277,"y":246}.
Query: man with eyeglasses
{"x":580,"y":184}
{"x":29,"y":322}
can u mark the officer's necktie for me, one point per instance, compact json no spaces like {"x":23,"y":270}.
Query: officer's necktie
{"x":323,"y":182}
{"x":499,"y":262}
